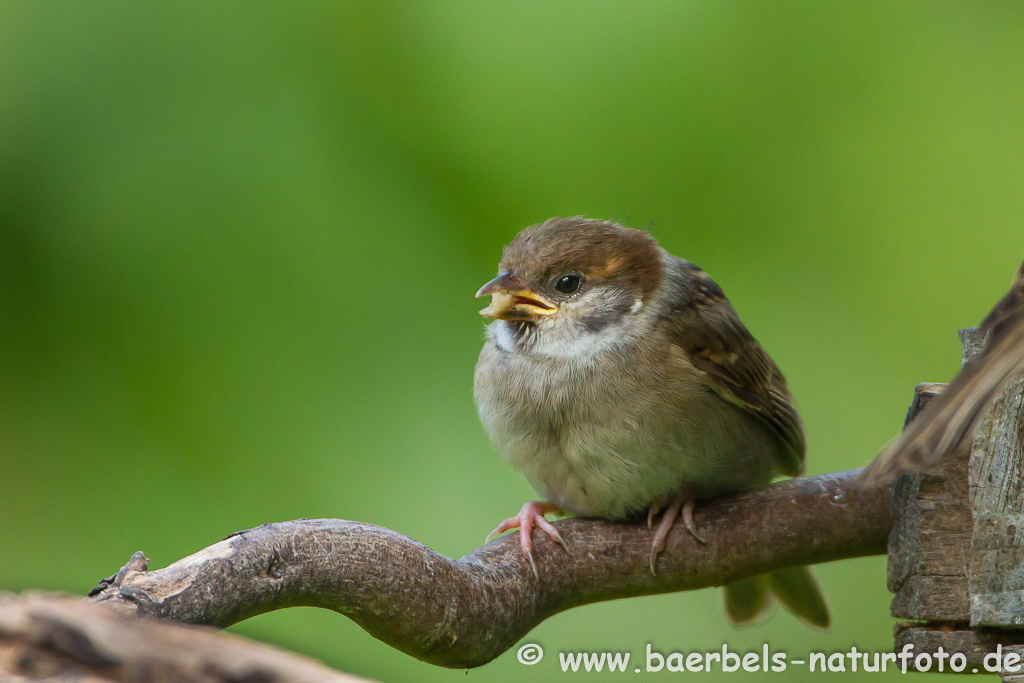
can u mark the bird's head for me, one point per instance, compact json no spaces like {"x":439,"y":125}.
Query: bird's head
{"x":574,"y":273}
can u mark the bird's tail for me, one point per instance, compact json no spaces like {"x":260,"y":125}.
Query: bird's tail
{"x":749,"y":600}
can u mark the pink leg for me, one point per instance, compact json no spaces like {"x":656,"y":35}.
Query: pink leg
{"x":656,"y":507}
{"x":676,"y":506}
{"x":531,"y":514}
{"x":667,"y":520}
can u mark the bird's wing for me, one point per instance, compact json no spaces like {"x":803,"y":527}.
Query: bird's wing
{"x":949,"y":421}
{"x":708,"y":329}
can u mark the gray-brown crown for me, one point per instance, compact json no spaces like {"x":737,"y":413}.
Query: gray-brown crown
{"x":600,"y":250}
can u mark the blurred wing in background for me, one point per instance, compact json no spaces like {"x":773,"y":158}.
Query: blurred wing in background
{"x":950,"y":420}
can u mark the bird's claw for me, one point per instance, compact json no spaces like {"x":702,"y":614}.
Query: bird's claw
{"x":533,"y":565}
{"x":688,"y":522}
{"x":551,"y":531}
{"x":531,"y":515}
{"x":676,"y":507}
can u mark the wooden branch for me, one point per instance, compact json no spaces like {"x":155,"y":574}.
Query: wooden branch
{"x":60,"y":639}
{"x":464,"y":613}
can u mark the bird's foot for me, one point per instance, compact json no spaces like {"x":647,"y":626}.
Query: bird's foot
{"x":676,"y":506}
{"x":531,"y":514}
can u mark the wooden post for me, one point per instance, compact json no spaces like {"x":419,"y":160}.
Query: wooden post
{"x":997,"y":506}
{"x":956,"y":552}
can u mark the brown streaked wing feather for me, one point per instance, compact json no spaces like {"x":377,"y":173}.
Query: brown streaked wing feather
{"x":719,"y":344}
{"x":949,"y":421}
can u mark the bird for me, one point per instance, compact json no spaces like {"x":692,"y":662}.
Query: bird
{"x":618,"y":379}
{"x":946,"y":424}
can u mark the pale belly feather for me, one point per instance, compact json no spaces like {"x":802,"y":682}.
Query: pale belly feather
{"x":608,"y":440}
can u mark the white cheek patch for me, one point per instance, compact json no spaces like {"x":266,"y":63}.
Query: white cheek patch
{"x":564,"y":335}
{"x":571,"y":342}
{"x":502,"y":336}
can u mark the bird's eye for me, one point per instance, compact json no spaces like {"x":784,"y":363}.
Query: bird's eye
{"x":568,"y":284}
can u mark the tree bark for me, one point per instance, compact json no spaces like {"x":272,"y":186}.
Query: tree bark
{"x":464,"y":613}
{"x":65,"y":640}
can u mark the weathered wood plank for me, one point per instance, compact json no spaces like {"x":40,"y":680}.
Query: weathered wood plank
{"x":997,"y":501}
{"x":974,"y":644}
{"x":929,"y":548}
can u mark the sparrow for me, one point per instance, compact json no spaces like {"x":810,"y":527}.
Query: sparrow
{"x":618,"y":379}
{"x":949,"y":420}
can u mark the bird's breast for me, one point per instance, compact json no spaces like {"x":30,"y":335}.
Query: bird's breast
{"x":609,"y":435}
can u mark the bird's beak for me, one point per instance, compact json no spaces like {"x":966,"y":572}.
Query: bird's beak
{"x":513,"y":299}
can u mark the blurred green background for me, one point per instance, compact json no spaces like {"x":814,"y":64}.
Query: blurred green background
{"x":239,"y":245}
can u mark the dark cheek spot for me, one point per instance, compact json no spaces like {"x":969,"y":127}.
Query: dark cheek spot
{"x":595,"y":323}
{"x":606,"y":316}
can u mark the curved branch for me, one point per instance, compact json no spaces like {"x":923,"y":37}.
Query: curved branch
{"x":464,"y":613}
